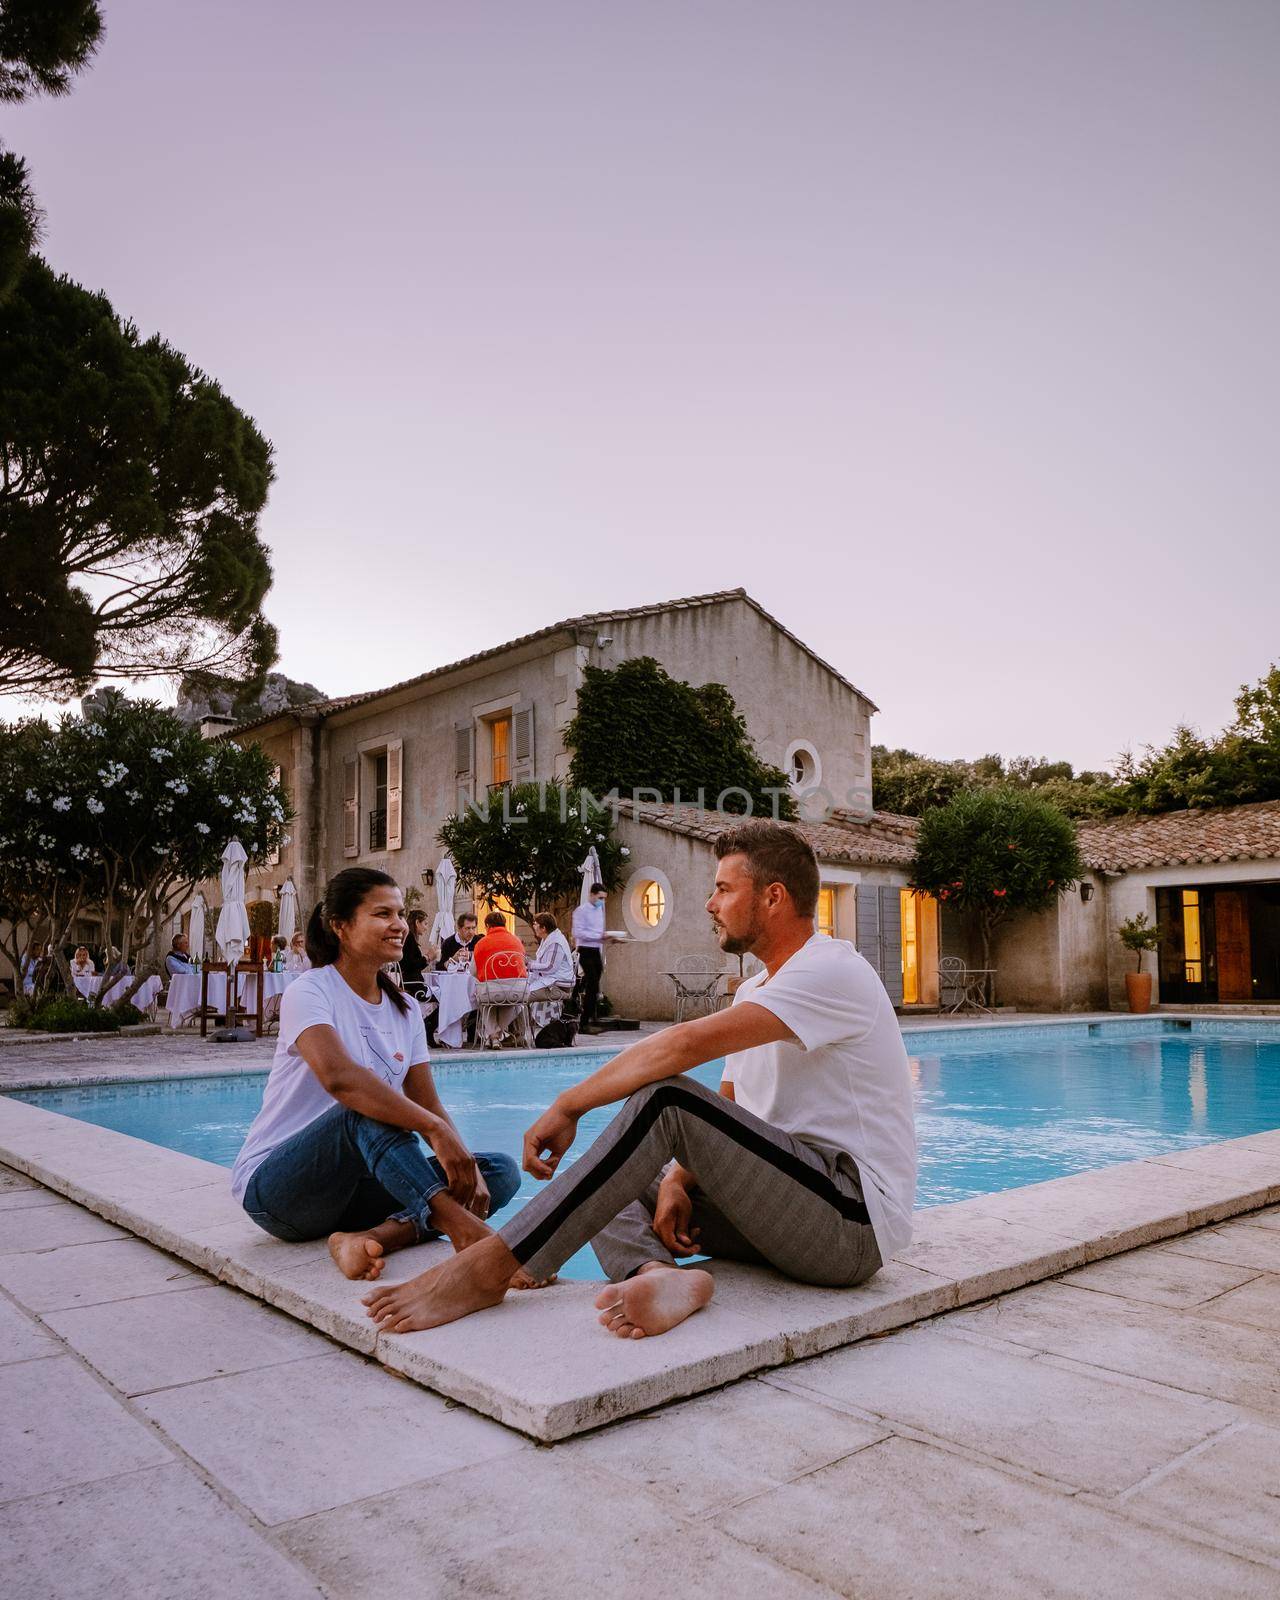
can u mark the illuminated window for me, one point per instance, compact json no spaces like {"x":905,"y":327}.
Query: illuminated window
{"x":498,"y":904}
{"x":501,"y":735}
{"x":1191,"y":951}
{"x":653,"y":903}
{"x":910,"y":947}
{"x":827,"y":912}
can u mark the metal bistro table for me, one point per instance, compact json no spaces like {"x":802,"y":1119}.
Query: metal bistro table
{"x":972,"y":986}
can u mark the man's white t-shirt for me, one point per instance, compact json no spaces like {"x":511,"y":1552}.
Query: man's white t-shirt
{"x":380,"y":1037}
{"x":844,"y":1083}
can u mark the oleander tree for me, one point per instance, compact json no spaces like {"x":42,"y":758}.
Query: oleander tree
{"x":528,"y":846}
{"x":123,"y":812}
{"x":996,"y":853}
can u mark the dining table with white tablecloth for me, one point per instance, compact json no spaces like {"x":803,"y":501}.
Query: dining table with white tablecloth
{"x":184,"y":993}
{"x":88,"y":983}
{"x":455,"y":994}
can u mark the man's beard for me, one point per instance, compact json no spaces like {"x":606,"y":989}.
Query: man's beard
{"x":740,"y":944}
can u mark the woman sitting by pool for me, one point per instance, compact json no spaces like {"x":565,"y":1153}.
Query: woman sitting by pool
{"x":334,"y":1149}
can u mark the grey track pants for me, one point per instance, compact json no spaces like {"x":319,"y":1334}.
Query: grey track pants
{"x":765,"y":1195}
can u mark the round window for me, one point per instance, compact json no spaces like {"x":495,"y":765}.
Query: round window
{"x":802,"y":766}
{"x":647,"y":903}
{"x":652,"y":903}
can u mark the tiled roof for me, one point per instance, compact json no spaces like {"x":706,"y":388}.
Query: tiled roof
{"x":1223,"y":833}
{"x":588,"y":620}
{"x":882,"y":839}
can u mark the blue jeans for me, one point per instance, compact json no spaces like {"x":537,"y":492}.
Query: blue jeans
{"x":344,"y":1172}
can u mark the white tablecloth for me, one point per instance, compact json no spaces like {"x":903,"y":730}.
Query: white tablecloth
{"x":456,"y":993}
{"x":184,"y":992}
{"x":88,"y":984}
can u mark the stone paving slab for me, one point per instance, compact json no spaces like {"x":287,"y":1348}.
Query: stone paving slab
{"x":156,"y":1533}
{"x":532,"y":1526}
{"x":1052,"y":1420}
{"x":159,"y":1341}
{"x":1209,"y":1490}
{"x":1224,"y":1360}
{"x":285,"y":1456}
{"x":86,"y":1436}
{"x":1163,"y":1277}
{"x":540,"y":1363}
{"x":971,"y":1530}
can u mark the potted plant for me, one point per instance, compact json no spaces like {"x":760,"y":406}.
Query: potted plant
{"x":1139,"y":935}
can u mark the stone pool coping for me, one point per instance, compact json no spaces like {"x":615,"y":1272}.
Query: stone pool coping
{"x":542,"y":1365}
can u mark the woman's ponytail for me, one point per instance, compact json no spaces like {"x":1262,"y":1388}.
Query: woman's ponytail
{"x":323,"y":948}
{"x":342,"y":897}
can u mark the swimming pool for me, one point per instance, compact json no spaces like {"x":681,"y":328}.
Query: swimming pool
{"x":996,"y":1108}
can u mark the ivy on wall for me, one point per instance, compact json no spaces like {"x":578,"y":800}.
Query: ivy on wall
{"x":638,"y":728}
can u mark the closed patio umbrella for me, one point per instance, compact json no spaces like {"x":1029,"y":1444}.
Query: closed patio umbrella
{"x":446,"y":888}
{"x":590,"y":875}
{"x":288,"y":909}
{"x":232,"y":931}
{"x":195,"y":935}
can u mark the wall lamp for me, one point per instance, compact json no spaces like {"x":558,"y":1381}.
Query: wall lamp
{"x":429,"y":878}
{"x":1086,"y":892}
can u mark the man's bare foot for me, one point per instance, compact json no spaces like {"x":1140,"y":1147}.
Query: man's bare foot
{"x":656,"y":1299}
{"x":357,"y":1255}
{"x":475,"y":1278}
{"x":522,"y":1280}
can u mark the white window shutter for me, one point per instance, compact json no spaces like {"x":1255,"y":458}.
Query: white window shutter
{"x":395,"y":788}
{"x":522,"y":740}
{"x":351,"y":806}
{"x":274,"y":857}
{"x":464,"y":760}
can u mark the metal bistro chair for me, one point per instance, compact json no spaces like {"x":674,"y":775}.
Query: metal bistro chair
{"x":953,"y":988}
{"x":697,"y":983}
{"x":505,"y":989}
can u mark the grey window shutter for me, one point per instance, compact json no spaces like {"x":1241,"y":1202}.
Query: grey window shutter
{"x":395,"y":789}
{"x":891,"y":943}
{"x":868,"y":935}
{"x":464,"y":760}
{"x":522,"y":740}
{"x":351,"y":806}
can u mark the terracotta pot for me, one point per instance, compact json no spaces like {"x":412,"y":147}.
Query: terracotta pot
{"x":1138,"y":987}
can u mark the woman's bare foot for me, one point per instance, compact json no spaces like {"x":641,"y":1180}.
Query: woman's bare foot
{"x":522,"y":1280}
{"x":656,"y":1299}
{"x":470,"y":1281}
{"x":357,"y":1255}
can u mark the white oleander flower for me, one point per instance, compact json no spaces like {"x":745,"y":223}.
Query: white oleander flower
{"x":95,"y":805}
{"x":62,"y":803}
{"x":32,"y":797}
{"x":224,"y":799}
{"x":202,"y":827}
{"x":177,"y":785}
{"x":159,"y":753}
{"x":79,"y":852}
{"x":625,"y":851}
{"x":133,"y":794}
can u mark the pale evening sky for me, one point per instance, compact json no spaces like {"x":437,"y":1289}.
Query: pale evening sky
{"x":949,"y":330}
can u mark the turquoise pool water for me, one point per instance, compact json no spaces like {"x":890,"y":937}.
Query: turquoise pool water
{"x":995,"y":1108}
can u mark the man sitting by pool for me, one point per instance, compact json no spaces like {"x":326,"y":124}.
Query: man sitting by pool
{"x":805,"y":1161}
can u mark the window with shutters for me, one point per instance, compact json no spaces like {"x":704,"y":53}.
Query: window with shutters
{"x":383,"y":785}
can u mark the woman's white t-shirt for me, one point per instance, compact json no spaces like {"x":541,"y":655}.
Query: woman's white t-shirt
{"x":843,"y":1083}
{"x":380,"y":1037}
